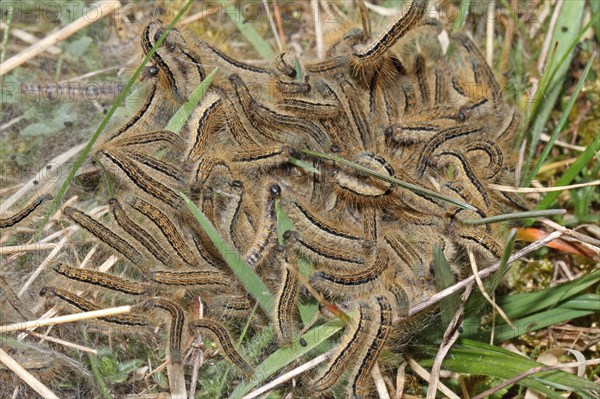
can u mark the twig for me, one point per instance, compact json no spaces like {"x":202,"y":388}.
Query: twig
{"x":61,"y":342}
{"x":544,"y":137}
{"x":44,"y":264}
{"x":574,"y":234}
{"x":379,"y":382}
{"x":289,"y":375}
{"x":450,"y":336}
{"x":484,"y":273}
{"x":103,"y":9}
{"x":400,"y":380}
{"x":530,"y":372}
{"x":26,"y":376}
{"x":424,"y":374}
{"x":510,"y":189}
{"x":279,"y":22}
{"x":64,"y":319}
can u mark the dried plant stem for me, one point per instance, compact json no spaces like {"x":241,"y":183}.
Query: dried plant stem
{"x":424,"y":374}
{"x":63,"y":343}
{"x":475,"y":271}
{"x":379,"y":382}
{"x":509,"y":189}
{"x":65,"y":319}
{"x":26,"y":376}
{"x":289,"y":375}
{"x":450,"y":336}
{"x":103,"y":9}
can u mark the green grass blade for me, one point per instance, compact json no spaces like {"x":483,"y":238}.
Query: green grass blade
{"x":287,"y":355}
{"x":304,"y":165}
{"x":444,"y":279}
{"x":477,"y":358}
{"x":515,"y":215}
{"x":519,"y":305}
{"x":571,"y":16}
{"x":183,"y":113}
{"x":561,"y":123}
{"x":567,"y":177}
{"x":263,"y":47}
{"x":462,"y":15}
{"x":249,"y":279}
{"x":400,"y":183}
{"x":79,"y":162}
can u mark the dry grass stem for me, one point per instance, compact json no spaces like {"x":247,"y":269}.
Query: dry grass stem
{"x":379,"y":382}
{"x":289,"y":375}
{"x":424,"y":374}
{"x":509,"y":189}
{"x":63,"y":343}
{"x":65,"y":319}
{"x":450,"y":336}
{"x":481,"y":287}
{"x":103,"y":9}
{"x":26,"y":376}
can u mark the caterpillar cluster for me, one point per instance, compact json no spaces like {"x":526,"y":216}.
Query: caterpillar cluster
{"x":378,"y":99}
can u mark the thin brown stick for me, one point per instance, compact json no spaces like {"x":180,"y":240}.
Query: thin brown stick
{"x":26,"y":376}
{"x":278,"y":21}
{"x":101,"y":9}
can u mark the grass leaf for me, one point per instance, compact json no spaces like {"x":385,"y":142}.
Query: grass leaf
{"x":567,"y":177}
{"x":183,"y":113}
{"x":545,"y":98}
{"x":288,"y":354}
{"x":561,"y":123}
{"x":478,"y":358}
{"x":245,"y":27}
{"x":400,"y":183}
{"x":249,"y":279}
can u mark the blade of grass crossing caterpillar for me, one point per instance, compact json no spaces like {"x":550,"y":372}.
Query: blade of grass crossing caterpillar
{"x":181,"y":116}
{"x":444,"y":279}
{"x":249,"y":279}
{"x":287,"y":355}
{"x":408,"y":186}
{"x":124,"y":93}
